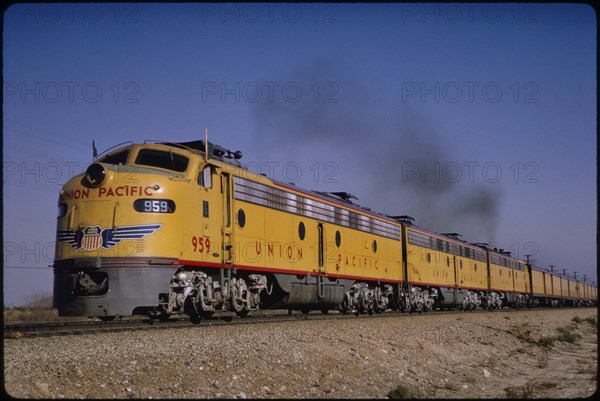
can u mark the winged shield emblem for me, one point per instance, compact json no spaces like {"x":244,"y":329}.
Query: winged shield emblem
{"x":90,"y":238}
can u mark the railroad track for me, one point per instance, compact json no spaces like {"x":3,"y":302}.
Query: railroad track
{"x":58,"y":328}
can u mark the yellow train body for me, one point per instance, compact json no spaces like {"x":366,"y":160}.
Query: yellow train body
{"x":552,"y":289}
{"x":169,"y":227}
{"x":436,"y":260}
{"x":539,"y":284}
{"x":295,"y":232}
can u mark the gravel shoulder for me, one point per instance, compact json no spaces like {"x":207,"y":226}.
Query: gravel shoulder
{"x":502,"y":354}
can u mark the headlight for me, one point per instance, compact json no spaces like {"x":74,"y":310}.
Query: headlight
{"x":94,"y":175}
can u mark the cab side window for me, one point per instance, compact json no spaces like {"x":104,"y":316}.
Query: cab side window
{"x":205,"y":177}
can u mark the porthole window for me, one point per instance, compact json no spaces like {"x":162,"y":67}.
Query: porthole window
{"x":338,"y":239}
{"x":301,"y":231}
{"x":374,"y":245}
{"x":241,"y":218}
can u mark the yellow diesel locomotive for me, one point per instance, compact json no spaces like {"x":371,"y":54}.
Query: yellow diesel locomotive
{"x":164,"y":228}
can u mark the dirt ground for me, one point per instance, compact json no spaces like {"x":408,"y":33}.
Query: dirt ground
{"x":502,"y":354}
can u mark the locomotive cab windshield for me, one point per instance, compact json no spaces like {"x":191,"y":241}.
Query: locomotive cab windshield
{"x":162,"y":159}
{"x":150,"y":157}
{"x":116,"y":158}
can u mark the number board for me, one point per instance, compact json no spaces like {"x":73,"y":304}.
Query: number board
{"x":154,"y":206}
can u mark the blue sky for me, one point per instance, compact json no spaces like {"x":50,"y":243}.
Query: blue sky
{"x":472,"y":118}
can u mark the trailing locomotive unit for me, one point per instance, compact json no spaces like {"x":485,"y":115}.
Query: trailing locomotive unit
{"x":166,"y":228}
{"x":455,"y":273}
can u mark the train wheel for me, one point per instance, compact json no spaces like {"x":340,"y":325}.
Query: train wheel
{"x":243,"y":313}
{"x":324,"y":311}
{"x":345,"y":305}
{"x":107,"y":318}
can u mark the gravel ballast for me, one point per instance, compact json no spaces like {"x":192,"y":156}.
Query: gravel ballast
{"x":464,"y":355}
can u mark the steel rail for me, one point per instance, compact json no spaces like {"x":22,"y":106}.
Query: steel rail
{"x":60,"y":328}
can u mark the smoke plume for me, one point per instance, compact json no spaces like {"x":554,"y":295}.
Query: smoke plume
{"x":388,"y":154}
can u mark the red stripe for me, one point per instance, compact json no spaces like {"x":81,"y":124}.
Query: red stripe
{"x":447,"y":286}
{"x":198,"y":263}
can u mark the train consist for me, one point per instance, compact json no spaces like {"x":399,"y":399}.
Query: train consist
{"x":168,"y":228}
